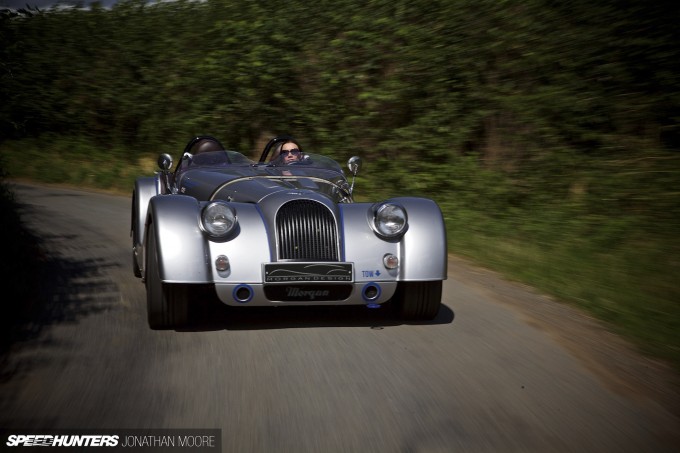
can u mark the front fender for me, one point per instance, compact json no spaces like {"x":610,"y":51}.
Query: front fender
{"x":424,"y":252}
{"x":145,"y":189}
{"x":183,"y":255}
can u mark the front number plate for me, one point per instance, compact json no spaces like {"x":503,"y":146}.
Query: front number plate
{"x":308,"y":272}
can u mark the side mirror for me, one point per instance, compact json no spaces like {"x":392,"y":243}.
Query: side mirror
{"x":354,"y":164}
{"x":165,"y":162}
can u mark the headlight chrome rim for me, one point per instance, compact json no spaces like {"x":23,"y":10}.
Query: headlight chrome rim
{"x":218,"y":220}
{"x":390,"y":220}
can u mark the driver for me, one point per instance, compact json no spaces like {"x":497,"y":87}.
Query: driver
{"x":288,"y":152}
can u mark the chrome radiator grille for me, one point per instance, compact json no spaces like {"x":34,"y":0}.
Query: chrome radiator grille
{"x":306,"y":230}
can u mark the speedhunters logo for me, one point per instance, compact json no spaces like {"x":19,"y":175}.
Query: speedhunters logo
{"x":130,"y":440}
{"x":46,"y":440}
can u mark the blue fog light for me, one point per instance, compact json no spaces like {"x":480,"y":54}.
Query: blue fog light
{"x":242,"y":294}
{"x":371,"y":292}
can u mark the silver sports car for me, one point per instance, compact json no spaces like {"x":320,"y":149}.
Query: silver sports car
{"x":281,"y":231}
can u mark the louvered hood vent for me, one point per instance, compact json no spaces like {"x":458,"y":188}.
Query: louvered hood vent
{"x":306,"y":231}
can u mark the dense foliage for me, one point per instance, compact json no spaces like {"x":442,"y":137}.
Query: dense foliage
{"x":548,"y":131}
{"x":437,"y":78}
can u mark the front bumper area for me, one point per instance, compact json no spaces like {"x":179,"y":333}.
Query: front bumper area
{"x":345,"y":293}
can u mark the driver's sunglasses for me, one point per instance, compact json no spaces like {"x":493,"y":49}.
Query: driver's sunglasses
{"x":294,"y":152}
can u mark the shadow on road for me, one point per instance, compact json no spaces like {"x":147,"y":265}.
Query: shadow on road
{"x":60,"y":284}
{"x":214,"y":316}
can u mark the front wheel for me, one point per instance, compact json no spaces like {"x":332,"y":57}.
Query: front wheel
{"x":418,"y":301}
{"x":166,"y":304}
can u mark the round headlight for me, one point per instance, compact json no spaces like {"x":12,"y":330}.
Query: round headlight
{"x":218,"y":219}
{"x":390,"y":220}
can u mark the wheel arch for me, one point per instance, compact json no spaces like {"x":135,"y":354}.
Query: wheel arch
{"x":145,"y":189}
{"x":424,"y":248}
{"x":183,"y":255}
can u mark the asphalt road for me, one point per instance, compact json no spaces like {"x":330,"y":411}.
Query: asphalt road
{"x":502,"y":368}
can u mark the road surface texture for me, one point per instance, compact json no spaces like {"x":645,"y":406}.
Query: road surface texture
{"x":502,"y":368}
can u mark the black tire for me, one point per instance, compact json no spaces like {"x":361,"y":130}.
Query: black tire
{"x":166,"y":304}
{"x":135,"y":267}
{"x":418,"y":301}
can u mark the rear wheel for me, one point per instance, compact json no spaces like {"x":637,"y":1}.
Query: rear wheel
{"x":418,"y":300}
{"x":166,"y":304}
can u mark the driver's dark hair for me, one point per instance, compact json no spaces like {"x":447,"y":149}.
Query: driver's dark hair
{"x":288,"y":140}
{"x":273,"y":147}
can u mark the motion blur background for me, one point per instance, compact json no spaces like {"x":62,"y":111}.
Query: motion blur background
{"x":547,"y":131}
{"x":48,"y":4}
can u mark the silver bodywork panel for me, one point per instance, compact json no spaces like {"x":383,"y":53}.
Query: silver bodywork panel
{"x":313,"y":201}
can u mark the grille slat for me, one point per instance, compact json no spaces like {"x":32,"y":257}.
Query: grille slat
{"x":306,"y":231}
